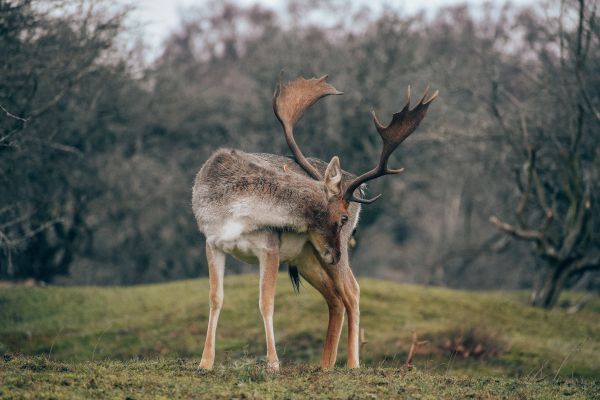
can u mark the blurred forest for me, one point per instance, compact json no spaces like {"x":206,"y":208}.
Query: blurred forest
{"x":99,"y":145}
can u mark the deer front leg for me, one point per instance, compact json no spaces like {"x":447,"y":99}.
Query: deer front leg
{"x":349,"y":291}
{"x":334,"y":330}
{"x":269,"y":268}
{"x":351,"y":301}
{"x":311,"y":269}
{"x":216,"y":268}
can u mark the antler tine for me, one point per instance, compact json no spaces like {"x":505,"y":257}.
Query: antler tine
{"x":290,"y":101}
{"x":433,"y":97}
{"x":402,"y":125}
{"x":424,"y":94}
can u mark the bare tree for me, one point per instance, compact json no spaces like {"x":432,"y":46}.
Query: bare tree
{"x":550,"y":120}
{"x":53,"y":81}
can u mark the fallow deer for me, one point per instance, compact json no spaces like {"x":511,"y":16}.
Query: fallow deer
{"x":269,"y":209}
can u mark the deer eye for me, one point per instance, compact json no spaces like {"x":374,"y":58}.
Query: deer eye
{"x":344,"y":219}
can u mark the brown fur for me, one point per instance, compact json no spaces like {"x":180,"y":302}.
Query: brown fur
{"x":232,"y":173}
{"x":307,"y":205}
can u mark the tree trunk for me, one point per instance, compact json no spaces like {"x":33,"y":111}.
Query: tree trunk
{"x":547,"y":296}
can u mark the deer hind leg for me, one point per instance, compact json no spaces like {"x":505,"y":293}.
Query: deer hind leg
{"x":216,"y":269}
{"x":269,"y":268}
{"x":310,"y":268}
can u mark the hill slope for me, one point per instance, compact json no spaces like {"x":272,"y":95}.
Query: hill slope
{"x":469,"y":333}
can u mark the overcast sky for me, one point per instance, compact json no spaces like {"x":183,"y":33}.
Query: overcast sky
{"x":159,"y":17}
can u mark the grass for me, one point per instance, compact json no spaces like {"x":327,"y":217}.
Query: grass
{"x":146,"y":340}
{"x":28,"y":377}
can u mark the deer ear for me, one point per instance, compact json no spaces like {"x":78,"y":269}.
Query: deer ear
{"x":333,"y":178}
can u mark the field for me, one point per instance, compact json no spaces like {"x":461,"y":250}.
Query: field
{"x":136,"y":342}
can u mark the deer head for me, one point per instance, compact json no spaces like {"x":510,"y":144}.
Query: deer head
{"x":327,"y":223}
{"x":290,"y":101}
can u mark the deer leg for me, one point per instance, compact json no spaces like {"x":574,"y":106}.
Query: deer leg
{"x":269,"y":268}
{"x":349,"y":291}
{"x":351,"y":302}
{"x":216,"y":269}
{"x":334,"y":330}
{"x":310,"y":268}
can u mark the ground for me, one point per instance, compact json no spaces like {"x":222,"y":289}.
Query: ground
{"x":245,"y":379}
{"x":143,"y":341}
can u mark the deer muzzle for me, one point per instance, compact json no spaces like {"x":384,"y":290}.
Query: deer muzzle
{"x":331,"y":256}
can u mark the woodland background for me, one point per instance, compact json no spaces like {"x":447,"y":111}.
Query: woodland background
{"x":99,"y":143}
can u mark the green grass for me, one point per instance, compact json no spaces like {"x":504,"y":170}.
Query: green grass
{"x":87,"y":342}
{"x":245,"y":379}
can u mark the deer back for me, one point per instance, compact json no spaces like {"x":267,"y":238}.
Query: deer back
{"x":261,"y":191}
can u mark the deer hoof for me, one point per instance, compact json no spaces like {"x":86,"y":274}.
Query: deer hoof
{"x":205,"y":365}
{"x":273,"y":366}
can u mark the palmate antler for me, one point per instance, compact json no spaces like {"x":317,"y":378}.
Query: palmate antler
{"x":290,"y":101}
{"x":402,"y":125}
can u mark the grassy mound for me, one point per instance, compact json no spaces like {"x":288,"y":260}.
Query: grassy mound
{"x":469,"y":333}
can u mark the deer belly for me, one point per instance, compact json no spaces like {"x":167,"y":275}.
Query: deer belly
{"x":247,"y":247}
{"x":291,"y":245}
{"x":244,"y":249}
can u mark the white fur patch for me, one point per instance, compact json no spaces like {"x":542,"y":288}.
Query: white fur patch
{"x":231,"y":230}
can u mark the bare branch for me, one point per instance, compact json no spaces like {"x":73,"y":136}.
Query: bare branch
{"x":525,"y":198}
{"x":58,"y":97}
{"x":498,"y":115}
{"x":7,"y":208}
{"x":586,"y":97}
{"x":15,"y":221}
{"x":415,"y":344}
{"x":8,"y":242}
{"x":589,"y":263}
{"x":11,"y":115}
{"x":574,"y":233}
{"x":526,"y":234}
{"x":65,"y":148}
{"x":363,"y":341}
{"x":541,"y":194}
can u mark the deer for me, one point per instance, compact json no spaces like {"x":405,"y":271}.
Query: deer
{"x":270,"y":209}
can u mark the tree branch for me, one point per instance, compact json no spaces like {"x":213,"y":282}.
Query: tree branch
{"x":363,"y":340}
{"x":525,"y":198}
{"x":8,"y":242}
{"x":589,"y":263}
{"x":576,"y":230}
{"x":11,"y":115}
{"x":415,"y":344}
{"x":526,"y":234}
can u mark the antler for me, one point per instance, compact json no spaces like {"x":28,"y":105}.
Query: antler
{"x":290,"y":101}
{"x":403,"y":124}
